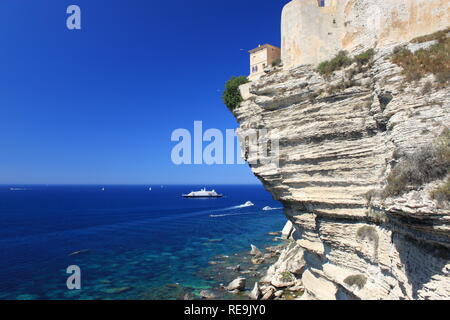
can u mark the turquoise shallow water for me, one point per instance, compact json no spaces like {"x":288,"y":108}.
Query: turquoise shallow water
{"x":134,"y":243}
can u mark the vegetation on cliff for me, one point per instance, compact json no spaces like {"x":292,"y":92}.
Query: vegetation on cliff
{"x":356,"y":280}
{"x":442,"y":193}
{"x":342,"y":60}
{"x":232,"y":96}
{"x":423,"y":166}
{"x":434,"y":59}
{"x":439,"y":35}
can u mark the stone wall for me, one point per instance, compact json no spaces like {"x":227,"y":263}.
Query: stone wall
{"x":310,"y":34}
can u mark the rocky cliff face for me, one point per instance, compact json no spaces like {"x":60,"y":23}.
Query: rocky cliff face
{"x":339,"y":138}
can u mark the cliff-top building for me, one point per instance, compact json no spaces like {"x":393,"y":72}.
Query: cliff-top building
{"x":260,"y":58}
{"x":315,"y":30}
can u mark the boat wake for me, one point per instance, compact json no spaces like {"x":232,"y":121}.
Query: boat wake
{"x":18,"y":189}
{"x":230,"y":214}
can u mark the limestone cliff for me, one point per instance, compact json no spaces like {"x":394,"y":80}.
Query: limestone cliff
{"x":339,"y":138}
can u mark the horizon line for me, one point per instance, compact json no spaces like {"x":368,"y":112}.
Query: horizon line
{"x":126,"y":184}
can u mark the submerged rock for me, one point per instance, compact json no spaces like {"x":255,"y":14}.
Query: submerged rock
{"x":28,"y":297}
{"x":215,"y":240}
{"x":188,"y":296}
{"x":258,"y":260}
{"x":117,"y":290}
{"x":207,"y":294}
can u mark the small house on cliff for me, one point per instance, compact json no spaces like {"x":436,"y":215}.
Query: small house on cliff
{"x":262,"y":57}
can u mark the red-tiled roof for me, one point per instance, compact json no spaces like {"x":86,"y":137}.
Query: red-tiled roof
{"x":262,"y":47}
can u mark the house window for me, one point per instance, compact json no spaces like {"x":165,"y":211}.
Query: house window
{"x":321,"y":3}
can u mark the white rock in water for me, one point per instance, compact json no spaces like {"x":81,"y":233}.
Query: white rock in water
{"x":237,"y":284}
{"x":256,"y":292}
{"x":257,"y":260}
{"x":255,"y":251}
{"x":206,"y":294}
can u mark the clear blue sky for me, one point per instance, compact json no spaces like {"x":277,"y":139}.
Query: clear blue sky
{"x":98,"y":106}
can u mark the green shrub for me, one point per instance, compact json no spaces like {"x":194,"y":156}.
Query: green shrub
{"x":358,"y":279}
{"x":435,"y":60}
{"x":340,"y":61}
{"x":365,"y":57}
{"x":439,"y":36}
{"x":377,"y":216}
{"x":427,"y":88}
{"x":369,"y":233}
{"x":442,"y":193}
{"x":276,"y":62}
{"x":369,"y":195}
{"x":443,"y":147}
{"x":286,"y":276}
{"x":423,"y":166}
{"x":232,"y":96}
{"x":443,"y":77}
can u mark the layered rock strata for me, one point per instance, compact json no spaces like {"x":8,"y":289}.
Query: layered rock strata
{"x":339,"y":138}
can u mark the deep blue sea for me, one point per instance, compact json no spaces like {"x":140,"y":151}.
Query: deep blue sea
{"x":133,"y":242}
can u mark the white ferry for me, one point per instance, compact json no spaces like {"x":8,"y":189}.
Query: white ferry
{"x":203,"y":194}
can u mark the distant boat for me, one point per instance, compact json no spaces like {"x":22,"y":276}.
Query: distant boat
{"x":267,"y":208}
{"x":103,"y":189}
{"x":79,"y":252}
{"x":203,"y":193}
{"x":149,"y":189}
{"x":247,"y":204}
